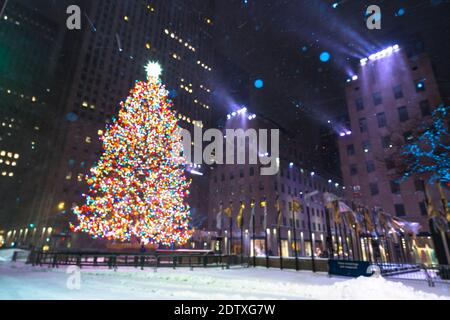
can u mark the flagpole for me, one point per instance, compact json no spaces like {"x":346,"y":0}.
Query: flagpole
{"x":329,"y":234}
{"x":265,"y":231}
{"x":231,"y":234}
{"x":295,"y":237}
{"x":242,"y":233}
{"x":313,"y":264}
{"x":279,"y":247}
{"x":336,"y":239}
{"x":267,"y":250}
{"x":253,"y":233}
{"x":369,"y":256}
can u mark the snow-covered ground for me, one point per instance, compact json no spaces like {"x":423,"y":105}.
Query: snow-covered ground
{"x":21,"y":281}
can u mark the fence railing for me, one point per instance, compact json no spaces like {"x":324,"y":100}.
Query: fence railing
{"x":139,"y":260}
{"x":430,"y":273}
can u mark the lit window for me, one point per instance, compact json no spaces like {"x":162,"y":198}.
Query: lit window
{"x":16,"y":156}
{"x":3,"y":153}
{"x":33,"y":99}
{"x":10,"y":154}
{"x":85,"y":104}
{"x":4,"y":173}
{"x":11,"y":174}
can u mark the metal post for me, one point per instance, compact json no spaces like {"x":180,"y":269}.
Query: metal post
{"x":295,"y":238}
{"x":336,"y":239}
{"x":266,"y":247}
{"x":329,"y":234}
{"x":254,"y":241}
{"x":313,"y":264}
{"x":279,"y":247}
{"x":230,"y":236}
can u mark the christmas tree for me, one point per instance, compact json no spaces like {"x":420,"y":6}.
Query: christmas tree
{"x":137,"y":189}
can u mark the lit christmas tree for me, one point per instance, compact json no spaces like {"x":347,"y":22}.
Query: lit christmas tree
{"x":137,"y":189}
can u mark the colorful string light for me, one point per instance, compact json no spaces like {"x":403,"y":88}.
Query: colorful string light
{"x":137,"y":189}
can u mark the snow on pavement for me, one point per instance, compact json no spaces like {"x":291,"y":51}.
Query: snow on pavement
{"x":20,"y":281}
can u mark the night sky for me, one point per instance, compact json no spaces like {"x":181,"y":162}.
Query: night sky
{"x":281,"y":42}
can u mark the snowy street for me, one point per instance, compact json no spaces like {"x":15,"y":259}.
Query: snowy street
{"x":20,"y":281}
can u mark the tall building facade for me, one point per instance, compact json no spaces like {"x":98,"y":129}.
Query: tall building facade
{"x":118,"y":39}
{"x":391,"y":94}
{"x":31,"y":44}
{"x":244,"y":182}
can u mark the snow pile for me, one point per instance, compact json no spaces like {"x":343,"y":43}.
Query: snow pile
{"x":6,"y":255}
{"x":373,"y":288}
{"x":20,"y":281}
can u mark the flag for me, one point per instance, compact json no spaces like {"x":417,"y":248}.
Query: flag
{"x":368,"y":220}
{"x":263,"y":204}
{"x":229,"y":210}
{"x":328,"y":199}
{"x":296,"y":206}
{"x":279,"y":212}
{"x":336,"y":213}
{"x":240,"y":216}
{"x":219,"y":217}
{"x":444,"y":202}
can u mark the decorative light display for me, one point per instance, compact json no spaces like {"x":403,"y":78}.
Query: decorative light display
{"x":380,"y":54}
{"x":430,"y":152}
{"x":137,"y":189}
{"x":242,"y":111}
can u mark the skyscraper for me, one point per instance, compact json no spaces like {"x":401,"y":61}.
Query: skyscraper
{"x":391,"y":94}
{"x":31,"y":43}
{"x":232,"y":183}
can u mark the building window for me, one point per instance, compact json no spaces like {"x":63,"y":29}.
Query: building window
{"x":420,"y":85}
{"x":359,"y":104}
{"x":418,"y":184}
{"x":395,"y":187}
{"x":241,"y":173}
{"x":377,"y":98}
{"x":231,"y":175}
{"x":403,"y":114}
{"x":386,"y":142}
{"x":282,"y":187}
{"x":350,"y":150}
{"x":261,"y":185}
{"x":423,"y":208}
{"x":399,"y":210}
{"x":390,"y":164}
{"x":353,"y":169}
{"x":425,"y":108}
{"x":363,"y":124}
{"x":370,"y":165}
{"x":222,"y":177}
{"x":374,"y":189}
{"x":366,"y":146}
{"x":398,"y":92}
{"x":252,"y":171}
{"x":381,"y":118}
